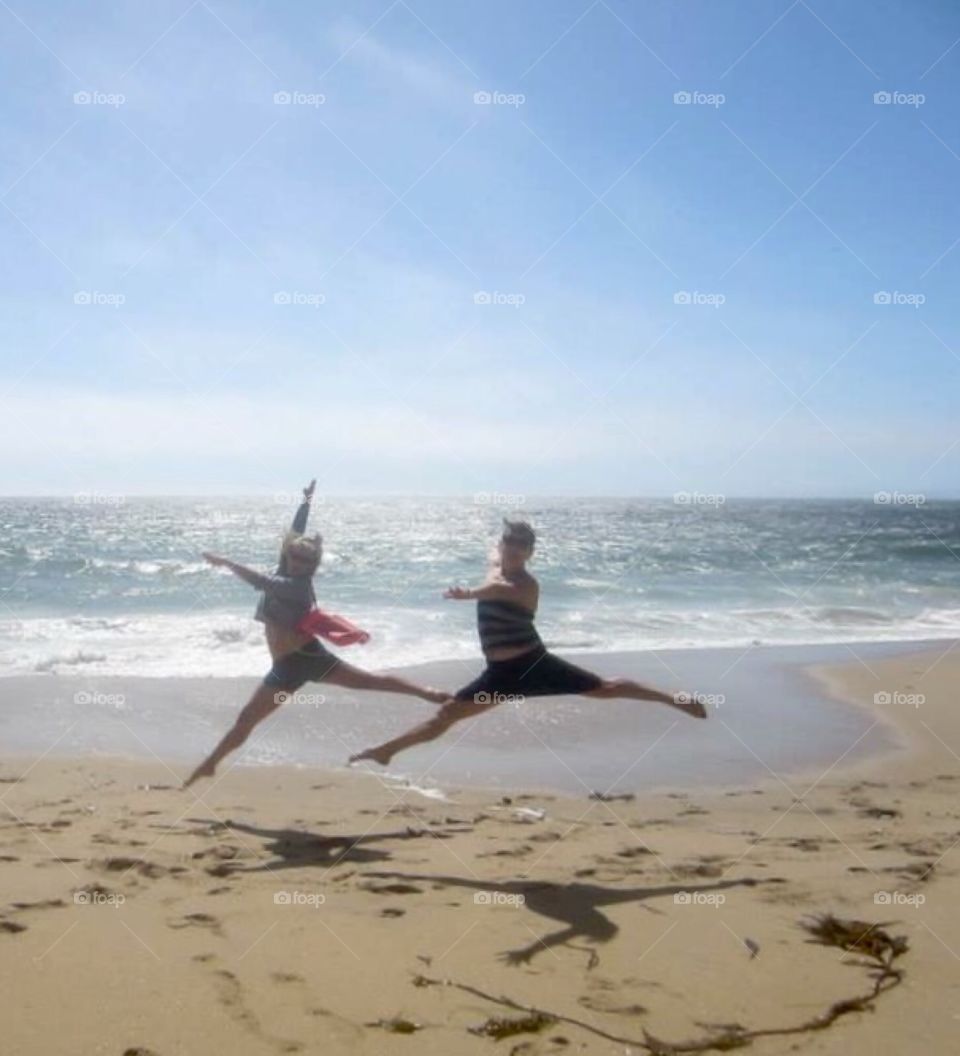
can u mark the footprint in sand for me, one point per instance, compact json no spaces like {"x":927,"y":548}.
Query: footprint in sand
{"x":393,"y":911}
{"x":197,"y":920}
{"x":634,"y":852}
{"x":508,"y":852}
{"x":611,"y":1004}
{"x":233,"y":1000}
{"x":150,"y":870}
{"x":392,"y":889}
{"x":11,"y":927}
{"x":93,"y":893}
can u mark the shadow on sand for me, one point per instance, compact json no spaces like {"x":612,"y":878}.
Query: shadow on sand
{"x":575,"y":905}
{"x":295,"y":849}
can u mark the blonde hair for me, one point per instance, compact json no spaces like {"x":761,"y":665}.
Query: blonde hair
{"x":308,"y":546}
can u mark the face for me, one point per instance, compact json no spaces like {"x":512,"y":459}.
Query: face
{"x":513,"y":555}
{"x":299,"y":563}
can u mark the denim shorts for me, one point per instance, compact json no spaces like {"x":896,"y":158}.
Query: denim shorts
{"x":312,"y":663}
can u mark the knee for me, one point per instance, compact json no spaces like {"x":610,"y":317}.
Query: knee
{"x":241,"y":730}
{"x":448,"y":714}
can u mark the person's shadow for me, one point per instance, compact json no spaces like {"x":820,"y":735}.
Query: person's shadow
{"x":574,"y":904}
{"x":295,"y":849}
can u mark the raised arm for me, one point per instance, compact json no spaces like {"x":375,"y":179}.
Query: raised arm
{"x":299,"y":524}
{"x":303,"y":511}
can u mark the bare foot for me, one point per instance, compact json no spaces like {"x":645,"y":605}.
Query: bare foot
{"x":435,"y":696}
{"x":203,"y":770}
{"x":690,"y":704}
{"x":378,"y":755}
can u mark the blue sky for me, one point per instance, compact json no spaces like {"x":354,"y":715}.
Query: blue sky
{"x":206,"y":289}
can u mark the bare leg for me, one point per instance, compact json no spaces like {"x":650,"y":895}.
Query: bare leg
{"x":265,"y":700}
{"x":453,"y":711}
{"x":343,"y":674}
{"x":630,"y":690}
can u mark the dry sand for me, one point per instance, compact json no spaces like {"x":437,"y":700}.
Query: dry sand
{"x":300,"y":911}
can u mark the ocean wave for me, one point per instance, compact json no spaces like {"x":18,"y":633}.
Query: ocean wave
{"x":78,"y":659}
{"x":232,"y":644}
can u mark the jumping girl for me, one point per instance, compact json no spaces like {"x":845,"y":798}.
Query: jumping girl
{"x":286,"y":609}
{"x":518,"y":663}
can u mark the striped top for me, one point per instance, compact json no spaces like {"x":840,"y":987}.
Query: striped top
{"x":504,"y":623}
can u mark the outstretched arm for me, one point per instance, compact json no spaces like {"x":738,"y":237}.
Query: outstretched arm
{"x":248,"y":575}
{"x":493,"y":588}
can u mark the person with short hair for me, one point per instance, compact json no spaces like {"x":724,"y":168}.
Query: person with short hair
{"x":518,"y":663}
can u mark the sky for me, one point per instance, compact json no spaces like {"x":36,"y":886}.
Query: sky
{"x":429,"y":247}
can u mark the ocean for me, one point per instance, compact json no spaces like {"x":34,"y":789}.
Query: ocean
{"x":101,"y":584}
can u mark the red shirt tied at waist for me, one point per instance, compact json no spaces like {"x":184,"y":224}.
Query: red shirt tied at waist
{"x":335,"y":629}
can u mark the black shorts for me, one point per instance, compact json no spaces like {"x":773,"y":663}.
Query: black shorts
{"x":312,"y":663}
{"x":533,"y":674}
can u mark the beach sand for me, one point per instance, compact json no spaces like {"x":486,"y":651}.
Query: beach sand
{"x":288,"y":910}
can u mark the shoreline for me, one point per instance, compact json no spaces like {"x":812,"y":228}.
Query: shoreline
{"x":833,"y":683}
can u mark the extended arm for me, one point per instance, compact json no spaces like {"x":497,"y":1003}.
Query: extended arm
{"x":278,"y":586}
{"x":248,"y":575}
{"x":493,"y":588}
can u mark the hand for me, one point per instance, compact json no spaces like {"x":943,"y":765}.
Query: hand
{"x":214,"y":559}
{"x":457,"y":593}
{"x":516,"y":957}
{"x":309,"y":489}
